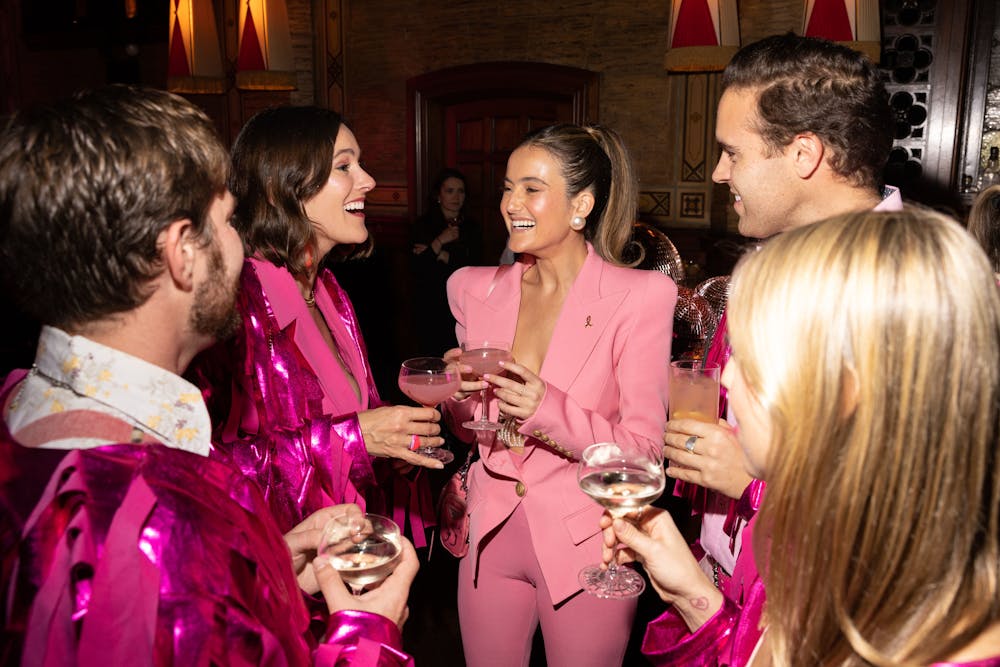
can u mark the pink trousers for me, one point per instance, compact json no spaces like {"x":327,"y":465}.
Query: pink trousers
{"x":499,"y":612}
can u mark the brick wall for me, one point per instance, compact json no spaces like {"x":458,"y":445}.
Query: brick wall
{"x":623,"y":41}
{"x":387,"y":42}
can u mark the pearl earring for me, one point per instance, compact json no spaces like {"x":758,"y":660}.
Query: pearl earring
{"x":578,"y":223}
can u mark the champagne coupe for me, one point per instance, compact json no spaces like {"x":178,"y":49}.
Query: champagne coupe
{"x":694,"y":391}
{"x":621,"y":481}
{"x":428,"y":381}
{"x":363,"y":549}
{"x":484,"y":356}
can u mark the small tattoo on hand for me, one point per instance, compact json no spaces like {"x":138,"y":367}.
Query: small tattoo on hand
{"x":699,"y":603}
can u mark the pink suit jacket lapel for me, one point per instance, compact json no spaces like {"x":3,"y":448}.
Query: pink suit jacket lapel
{"x":292,"y":315}
{"x":586,"y":313}
{"x":573,"y":340}
{"x":494,"y":317}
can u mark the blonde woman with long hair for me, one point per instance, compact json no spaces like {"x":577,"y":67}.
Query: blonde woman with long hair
{"x":865,"y":373}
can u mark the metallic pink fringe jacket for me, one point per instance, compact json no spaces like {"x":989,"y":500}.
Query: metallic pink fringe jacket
{"x":267,"y":404}
{"x":142,"y":555}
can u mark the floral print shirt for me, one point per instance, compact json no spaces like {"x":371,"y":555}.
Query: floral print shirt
{"x":75,"y":373}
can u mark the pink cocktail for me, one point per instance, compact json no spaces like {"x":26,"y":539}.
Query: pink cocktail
{"x":484,"y":356}
{"x":485,"y":359}
{"x":429,"y":390}
{"x":428,"y":381}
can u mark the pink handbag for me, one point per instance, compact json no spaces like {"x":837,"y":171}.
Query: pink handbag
{"x":453,"y":514}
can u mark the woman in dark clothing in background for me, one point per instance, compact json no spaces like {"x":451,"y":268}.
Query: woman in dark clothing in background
{"x":444,"y":239}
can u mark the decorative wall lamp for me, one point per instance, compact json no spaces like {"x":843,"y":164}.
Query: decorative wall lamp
{"x":195,"y":60}
{"x":265,"y":47}
{"x":853,"y":23}
{"x":704,"y":35}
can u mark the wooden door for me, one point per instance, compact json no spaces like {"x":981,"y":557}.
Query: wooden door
{"x":472,"y":117}
{"x":479,"y":137}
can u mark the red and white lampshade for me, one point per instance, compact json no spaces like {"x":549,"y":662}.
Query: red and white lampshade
{"x":854,"y":23}
{"x":704,"y":35}
{"x":265,"y":59}
{"x":194,"y":64}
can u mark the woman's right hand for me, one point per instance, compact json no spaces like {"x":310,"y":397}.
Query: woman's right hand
{"x":390,"y":430}
{"x":716,"y":462}
{"x":468,"y":386}
{"x":654,"y":541}
{"x":387,"y":599}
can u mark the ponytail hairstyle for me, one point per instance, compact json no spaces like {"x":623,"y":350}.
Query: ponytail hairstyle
{"x":595,"y":158}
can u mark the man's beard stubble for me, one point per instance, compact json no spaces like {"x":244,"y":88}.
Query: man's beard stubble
{"x":214,"y":311}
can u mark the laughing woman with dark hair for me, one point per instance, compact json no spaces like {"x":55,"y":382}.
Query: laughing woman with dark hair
{"x":293,"y":396}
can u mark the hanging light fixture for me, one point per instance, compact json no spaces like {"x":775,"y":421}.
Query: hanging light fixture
{"x":704,"y":35}
{"x":265,"y":47}
{"x":195,"y":61}
{"x":854,"y":23}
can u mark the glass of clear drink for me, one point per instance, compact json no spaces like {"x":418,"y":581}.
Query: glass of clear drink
{"x":364,"y":549}
{"x":622,"y":480}
{"x":694,"y":391}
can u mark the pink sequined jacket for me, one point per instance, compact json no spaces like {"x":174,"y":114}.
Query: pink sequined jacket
{"x":143,"y":554}
{"x":284,"y":411}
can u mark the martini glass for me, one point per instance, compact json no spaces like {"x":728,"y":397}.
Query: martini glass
{"x":621,"y":481}
{"x":484,"y":356}
{"x":363,"y":550}
{"x":428,"y":381}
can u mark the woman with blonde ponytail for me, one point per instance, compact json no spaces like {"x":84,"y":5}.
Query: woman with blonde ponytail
{"x":866,"y":379}
{"x":590,"y":345}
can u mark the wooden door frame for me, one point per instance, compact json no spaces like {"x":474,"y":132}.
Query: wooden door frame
{"x":428,"y":94}
{"x":945,"y":102}
{"x":980,"y":24}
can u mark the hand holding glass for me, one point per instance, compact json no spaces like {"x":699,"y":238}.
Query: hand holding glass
{"x":621,"y":481}
{"x":484,"y":356}
{"x":363,"y":550}
{"x":428,"y":381}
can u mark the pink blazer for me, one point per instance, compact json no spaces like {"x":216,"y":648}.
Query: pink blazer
{"x":284,"y":411}
{"x":606,"y":371}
